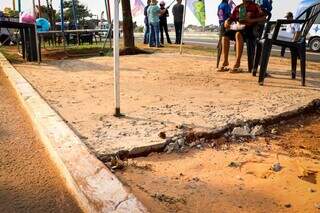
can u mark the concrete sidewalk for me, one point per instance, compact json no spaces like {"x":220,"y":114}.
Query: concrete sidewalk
{"x":162,"y":93}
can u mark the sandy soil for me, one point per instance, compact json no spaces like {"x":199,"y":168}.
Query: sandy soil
{"x":160,"y":92}
{"x":29,"y":182}
{"x":206,"y":181}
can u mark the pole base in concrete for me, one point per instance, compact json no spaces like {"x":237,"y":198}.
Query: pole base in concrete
{"x":118,"y":113}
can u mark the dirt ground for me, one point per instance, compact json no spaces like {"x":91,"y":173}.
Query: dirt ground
{"x":160,"y":92}
{"x":29,"y":182}
{"x":235,"y":177}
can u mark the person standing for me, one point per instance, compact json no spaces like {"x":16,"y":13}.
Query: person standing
{"x":153,"y":13}
{"x":292,"y":32}
{"x":163,"y":23}
{"x":177,"y":12}
{"x":146,"y":24}
{"x":224,"y":12}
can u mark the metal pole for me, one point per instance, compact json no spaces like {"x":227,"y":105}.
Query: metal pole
{"x":19,"y":6}
{"x":39,"y":8}
{"x":62,"y":23}
{"x":107,"y":3}
{"x":184,"y":19}
{"x":37,"y":43}
{"x":116,"y":58}
{"x":75,"y":18}
{"x":14,"y":5}
{"x":34,"y":9}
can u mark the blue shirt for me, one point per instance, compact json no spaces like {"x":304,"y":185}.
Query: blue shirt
{"x":265,"y":4}
{"x":224,"y":12}
{"x":153,"y":13}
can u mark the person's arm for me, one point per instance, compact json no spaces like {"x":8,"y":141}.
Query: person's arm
{"x":262,"y":17}
{"x":234,"y":17}
{"x":163,"y":11}
{"x":145,"y":11}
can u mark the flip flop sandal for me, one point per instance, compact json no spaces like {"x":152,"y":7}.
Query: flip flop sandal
{"x":236,"y":70}
{"x":223,"y":69}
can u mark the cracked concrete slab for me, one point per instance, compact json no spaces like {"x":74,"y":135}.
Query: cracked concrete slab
{"x":161,"y":92}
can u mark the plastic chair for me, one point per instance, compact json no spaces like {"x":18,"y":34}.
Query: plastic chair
{"x":297,"y":47}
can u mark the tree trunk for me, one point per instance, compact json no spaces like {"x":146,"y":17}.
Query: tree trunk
{"x":128,"y":37}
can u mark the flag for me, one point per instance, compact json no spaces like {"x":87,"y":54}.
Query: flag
{"x":137,"y":7}
{"x":198,"y":9}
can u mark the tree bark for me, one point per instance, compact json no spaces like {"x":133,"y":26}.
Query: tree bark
{"x":128,"y":36}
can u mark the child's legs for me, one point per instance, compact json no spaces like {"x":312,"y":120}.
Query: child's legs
{"x":239,"y":49}
{"x":225,"y":50}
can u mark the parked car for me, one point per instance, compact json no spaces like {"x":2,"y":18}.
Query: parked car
{"x":314,"y":38}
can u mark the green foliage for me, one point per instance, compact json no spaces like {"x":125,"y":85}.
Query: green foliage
{"x":82,"y":11}
{"x":11,"y":13}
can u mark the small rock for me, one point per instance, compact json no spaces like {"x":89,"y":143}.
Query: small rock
{"x":181,"y":142}
{"x":234,"y":164}
{"x":169,"y":140}
{"x":317,"y":205}
{"x":202,"y":140}
{"x":174,"y":139}
{"x":257,"y":130}
{"x":199,"y":146}
{"x":181,"y":126}
{"x":192,"y":144}
{"x":288,"y":205}
{"x":196,"y":179}
{"x":274,"y":131}
{"x":241,"y":131}
{"x":312,"y":190}
{"x":162,"y":135}
{"x":239,"y":177}
{"x":171,"y":147}
{"x":276,"y":167}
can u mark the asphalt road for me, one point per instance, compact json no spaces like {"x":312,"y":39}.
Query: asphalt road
{"x":312,"y":56}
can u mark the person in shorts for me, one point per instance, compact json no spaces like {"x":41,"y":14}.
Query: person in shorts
{"x":238,"y":26}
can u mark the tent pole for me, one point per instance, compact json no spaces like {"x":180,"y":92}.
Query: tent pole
{"x":39,"y":8}
{"x":34,"y":8}
{"x":182,"y":30}
{"x":107,"y":4}
{"x":14,"y":5}
{"x":19,"y":6}
{"x":116,"y":58}
{"x":62,"y":23}
{"x":74,"y":11}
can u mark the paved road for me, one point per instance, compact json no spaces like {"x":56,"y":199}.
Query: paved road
{"x":312,"y":56}
{"x":211,"y":40}
{"x":29,"y":182}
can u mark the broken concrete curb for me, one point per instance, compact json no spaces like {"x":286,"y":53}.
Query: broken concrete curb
{"x":94,"y":187}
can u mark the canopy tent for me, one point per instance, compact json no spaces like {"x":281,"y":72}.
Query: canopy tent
{"x":115,"y":41}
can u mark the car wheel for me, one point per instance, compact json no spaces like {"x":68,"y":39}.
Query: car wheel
{"x":315,"y":44}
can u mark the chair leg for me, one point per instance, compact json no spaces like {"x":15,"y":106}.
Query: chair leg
{"x":266,"y":50}
{"x":250,"y":52}
{"x":257,"y":58}
{"x":302,"y":53}
{"x":294,"y":58}
{"x":219,"y":51}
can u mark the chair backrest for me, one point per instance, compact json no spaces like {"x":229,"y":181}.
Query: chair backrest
{"x":310,"y":15}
